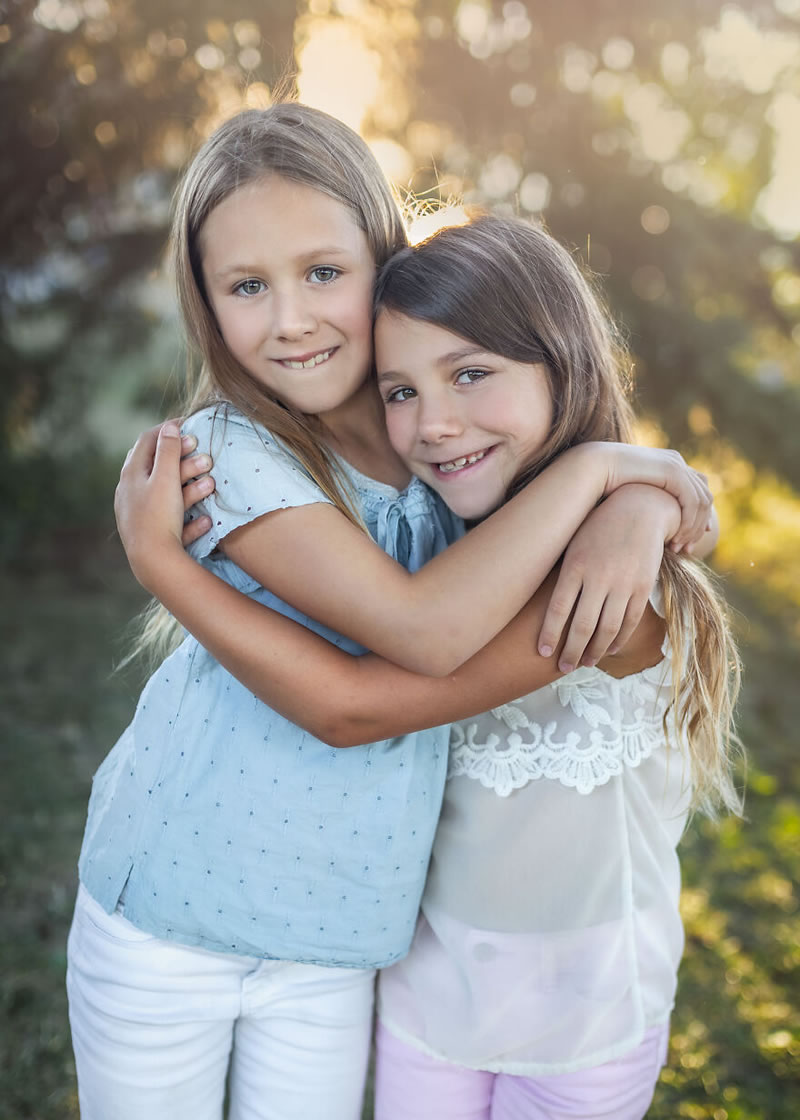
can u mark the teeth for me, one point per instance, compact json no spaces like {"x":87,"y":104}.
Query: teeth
{"x":315,"y":361}
{"x":457,"y":464}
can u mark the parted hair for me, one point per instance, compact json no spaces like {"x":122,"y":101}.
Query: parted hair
{"x":306,"y":146}
{"x":512,"y":289}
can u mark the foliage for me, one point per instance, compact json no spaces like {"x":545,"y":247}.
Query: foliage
{"x":642,"y":136}
{"x":129,"y":89}
{"x":604,"y":119}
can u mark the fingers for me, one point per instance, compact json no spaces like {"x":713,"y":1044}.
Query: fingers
{"x":696,"y":504}
{"x":620,"y":619}
{"x":192,"y":466}
{"x":140,"y":457}
{"x":588,"y":628}
{"x":195,"y":529}
{"x":601,"y":622}
{"x":168,"y":448}
{"x":196,"y":490}
{"x":562,"y":603}
{"x":196,"y":482}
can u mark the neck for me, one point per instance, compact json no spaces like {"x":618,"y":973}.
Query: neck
{"x":357,"y":431}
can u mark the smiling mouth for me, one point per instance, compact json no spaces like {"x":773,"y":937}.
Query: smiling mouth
{"x":453,"y":466}
{"x":307,"y":363}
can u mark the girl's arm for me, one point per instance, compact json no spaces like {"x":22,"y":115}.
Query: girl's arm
{"x":618,"y":547}
{"x":432,"y":620}
{"x":352,"y":699}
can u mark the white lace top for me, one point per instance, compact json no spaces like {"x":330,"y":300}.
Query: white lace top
{"x":550,"y":936}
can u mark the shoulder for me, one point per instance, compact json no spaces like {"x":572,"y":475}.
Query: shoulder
{"x":242,"y":446}
{"x":219,"y":426}
{"x":253,"y":472}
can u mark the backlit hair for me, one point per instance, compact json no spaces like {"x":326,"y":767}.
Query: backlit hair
{"x":511,"y":289}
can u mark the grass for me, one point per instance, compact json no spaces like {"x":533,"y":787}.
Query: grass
{"x":735,"y":1052}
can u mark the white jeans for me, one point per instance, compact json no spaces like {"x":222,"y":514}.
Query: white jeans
{"x":156,"y":1024}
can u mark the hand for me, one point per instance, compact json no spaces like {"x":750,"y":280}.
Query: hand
{"x":149,"y":499}
{"x":668,"y":471}
{"x":607,"y":574}
{"x":197,"y":484}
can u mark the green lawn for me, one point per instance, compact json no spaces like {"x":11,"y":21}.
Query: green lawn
{"x":736,"y":1040}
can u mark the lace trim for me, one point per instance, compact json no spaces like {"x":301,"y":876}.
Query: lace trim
{"x":621,"y":724}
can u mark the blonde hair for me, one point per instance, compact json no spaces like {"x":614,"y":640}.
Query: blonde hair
{"x":513,"y":290}
{"x":305,"y":146}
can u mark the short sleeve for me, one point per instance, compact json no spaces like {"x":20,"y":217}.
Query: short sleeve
{"x":254,"y":475}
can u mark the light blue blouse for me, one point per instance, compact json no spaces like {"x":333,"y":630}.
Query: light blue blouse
{"x":220,"y":824}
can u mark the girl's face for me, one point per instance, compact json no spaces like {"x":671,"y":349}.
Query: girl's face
{"x":289,"y":276}
{"x":463,"y":420}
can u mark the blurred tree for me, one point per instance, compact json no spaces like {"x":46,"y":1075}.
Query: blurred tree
{"x":638,"y":134}
{"x":103,"y":102}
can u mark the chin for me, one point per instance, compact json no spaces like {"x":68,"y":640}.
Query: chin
{"x":473,"y":511}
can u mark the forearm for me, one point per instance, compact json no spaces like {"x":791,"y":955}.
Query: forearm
{"x":508,"y":554}
{"x":342,"y":699}
{"x":268,"y":653}
{"x":377,"y":700}
{"x":431,"y":621}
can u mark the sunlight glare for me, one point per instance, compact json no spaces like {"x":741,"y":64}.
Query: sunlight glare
{"x":426,"y":223}
{"x":337,"y":72}
{"x":779,"y":202}
{"x":738,"y":50}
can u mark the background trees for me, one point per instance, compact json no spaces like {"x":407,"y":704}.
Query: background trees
{"x":659,"y":141}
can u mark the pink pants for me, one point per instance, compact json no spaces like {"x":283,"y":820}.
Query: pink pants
{"x":410,"y":1085}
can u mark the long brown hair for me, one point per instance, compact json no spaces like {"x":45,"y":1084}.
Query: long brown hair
{"x":305,"y":146}
{"x":512,"y":289}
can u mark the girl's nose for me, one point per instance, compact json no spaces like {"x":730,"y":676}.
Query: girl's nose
{"x":438,"y":417}
{"x":293,"y":316}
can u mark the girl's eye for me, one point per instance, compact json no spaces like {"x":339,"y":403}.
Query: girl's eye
{"x":250,"y":288}
{"x":470,"y":376}
{"x":324,"y":274}
{"x":401,"y":394}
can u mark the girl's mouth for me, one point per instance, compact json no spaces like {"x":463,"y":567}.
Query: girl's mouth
{"x":453,"y":466}
{"x":307,"y":363}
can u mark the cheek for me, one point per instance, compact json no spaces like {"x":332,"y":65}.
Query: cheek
{"x":234,"y":326}
{"x":354,"y":312}
{"x":401,"y":427}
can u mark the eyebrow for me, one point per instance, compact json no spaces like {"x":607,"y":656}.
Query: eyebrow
{"x":452,"y":357}
{"x":306,"y":258}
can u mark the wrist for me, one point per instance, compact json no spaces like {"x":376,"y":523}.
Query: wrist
{"x":597,"y":459}
{"x":652,"y":504}
{"x":154,"y":565}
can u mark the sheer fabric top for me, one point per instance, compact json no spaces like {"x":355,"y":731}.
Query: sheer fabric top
{"x":550,"y":937}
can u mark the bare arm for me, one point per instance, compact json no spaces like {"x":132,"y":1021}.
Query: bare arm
{"x":352,"y":700}
{"x":345,"y":700}
{"x":608,"y":572}
{"x":349,"y":584}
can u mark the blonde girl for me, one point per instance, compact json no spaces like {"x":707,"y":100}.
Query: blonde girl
{"x":240,"y":878}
